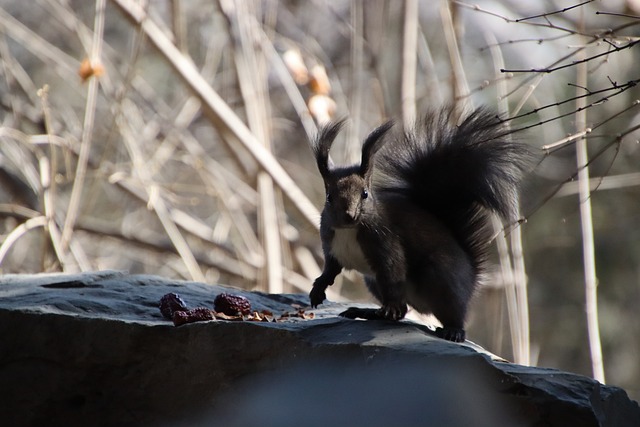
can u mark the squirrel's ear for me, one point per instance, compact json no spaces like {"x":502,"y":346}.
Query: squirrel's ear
{"x":372,"y":144}
{"x":322,"y":144}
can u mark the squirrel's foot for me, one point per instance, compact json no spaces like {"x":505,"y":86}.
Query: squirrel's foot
{"x":451,"y":334}
{"x":385,"y":313}
{"x":317,"y":296}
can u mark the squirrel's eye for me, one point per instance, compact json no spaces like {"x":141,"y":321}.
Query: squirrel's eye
{"x":365,"y":193}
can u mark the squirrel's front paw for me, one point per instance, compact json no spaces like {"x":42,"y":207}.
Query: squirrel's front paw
{"x":316,"y":296}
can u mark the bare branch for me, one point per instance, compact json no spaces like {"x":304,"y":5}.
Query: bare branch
{"x":574,"y":63}
{"x":547,"y":14}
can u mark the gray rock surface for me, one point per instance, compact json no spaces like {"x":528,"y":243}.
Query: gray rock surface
{"x":92,"y":349}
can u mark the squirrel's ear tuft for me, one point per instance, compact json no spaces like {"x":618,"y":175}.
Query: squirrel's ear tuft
{"x":372,"y":144}
{"x":322,"y":144}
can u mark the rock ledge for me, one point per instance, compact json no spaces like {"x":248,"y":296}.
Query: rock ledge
{"x":93,"y":349}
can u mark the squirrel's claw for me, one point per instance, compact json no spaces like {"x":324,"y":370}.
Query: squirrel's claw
{"x":451,"y":334}
{"x":395,"y":311}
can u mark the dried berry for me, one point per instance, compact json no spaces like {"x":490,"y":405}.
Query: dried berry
{"x":232,"y":305}
{"x":180,"y":318}
{"x":171,"y":303}
{"x":200,"y":314}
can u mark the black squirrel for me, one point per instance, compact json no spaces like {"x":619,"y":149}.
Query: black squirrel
{"x":419,"y":229}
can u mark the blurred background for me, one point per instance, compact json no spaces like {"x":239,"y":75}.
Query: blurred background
{"x":170,"y":137}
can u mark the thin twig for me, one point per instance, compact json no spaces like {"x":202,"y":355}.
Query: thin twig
{"x":549,"y":148}
{"x":409,"y":62}
{"x":477,"y":8}
{"x":539,"y":40}
{"x":565,"y":141}
{"x":560,"y":116}
{"x":11,"y":238}
{"x":459,"y":82}
{"x":602,"y":183}
{"x":48,"y":170}
{"x":624,"y":15}
{"x":179,"y":25}
{"x":616,"y":140}
{"x":351,"y":150}
{"x":619,"y":88}
{"x":586,"y":218}
{"x":547,"y":14}
{"x":87,"y":131}
{"x":432,"y":85}
{"x":548,"y":70}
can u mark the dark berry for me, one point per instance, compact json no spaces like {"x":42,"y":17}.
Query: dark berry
{"x":200,"y":314}
{"x":232,"y":305}
{"x":171,"y":303}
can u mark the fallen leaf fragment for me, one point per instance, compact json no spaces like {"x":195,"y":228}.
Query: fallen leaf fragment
{"x":222,"y":316}
{"x":261,"y":316}
{"x":299,"y":314}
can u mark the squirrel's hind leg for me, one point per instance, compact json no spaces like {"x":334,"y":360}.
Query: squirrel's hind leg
{"x":452,"y":318}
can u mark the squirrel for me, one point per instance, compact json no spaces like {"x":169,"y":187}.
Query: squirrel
{"x":418,"y":229}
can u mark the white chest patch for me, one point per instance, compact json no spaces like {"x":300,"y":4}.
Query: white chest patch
{"x":346,"y":249}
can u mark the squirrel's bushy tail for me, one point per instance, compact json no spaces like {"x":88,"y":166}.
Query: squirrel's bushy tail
{"x":458,"y":173}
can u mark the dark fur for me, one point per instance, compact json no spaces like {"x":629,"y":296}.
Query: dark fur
{"x":422,"y":223}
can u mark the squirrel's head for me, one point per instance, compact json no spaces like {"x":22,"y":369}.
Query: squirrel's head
{"x":347,"y":188}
